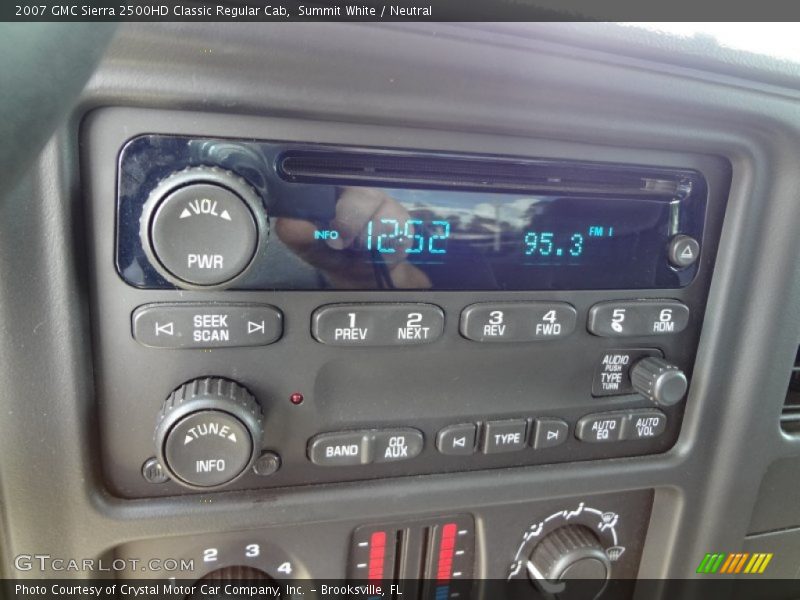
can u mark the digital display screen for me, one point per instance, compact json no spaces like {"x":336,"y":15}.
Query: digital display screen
{"x":409,"y":238}
{"x":380,"y":220}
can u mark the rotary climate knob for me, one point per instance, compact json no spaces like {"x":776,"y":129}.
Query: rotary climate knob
{"x":208,"y":433}
{"x":201,"y":228}
{"x":572,"y":552}
{"x":659,"y":381}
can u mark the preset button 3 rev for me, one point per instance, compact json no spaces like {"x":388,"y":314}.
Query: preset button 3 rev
{"x":517,"y":321}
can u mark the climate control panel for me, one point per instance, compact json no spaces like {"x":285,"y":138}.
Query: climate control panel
{"x":575,"y":547}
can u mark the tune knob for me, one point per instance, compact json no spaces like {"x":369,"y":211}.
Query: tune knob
{"x":202,"y":227}
{"x":208,"y":433}
{"x":659,"y":381}
{"x":572,"y":552}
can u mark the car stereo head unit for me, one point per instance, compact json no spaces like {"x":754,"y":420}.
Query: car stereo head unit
{"x":320,"y":309}
{"x":214,"y":213}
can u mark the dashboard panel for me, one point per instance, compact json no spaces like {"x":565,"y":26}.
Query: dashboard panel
{"x":337,"y":375}
{"x":380,"y":448}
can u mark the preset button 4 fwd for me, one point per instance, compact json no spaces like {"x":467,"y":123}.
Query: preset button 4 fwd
{"x":517,"y":321}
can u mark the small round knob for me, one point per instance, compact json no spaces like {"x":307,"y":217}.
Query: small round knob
{"x":659,"y":381}
{"x":570,"y":552}
{"x":208,"y":433}
{"x":202,"y":227}
{"x":213,"y":585}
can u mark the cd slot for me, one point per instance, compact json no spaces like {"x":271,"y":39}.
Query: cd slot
{"x":389,"y":168}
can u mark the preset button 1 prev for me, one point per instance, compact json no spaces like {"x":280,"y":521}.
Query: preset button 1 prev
{"x":206,"y":325}
{"x":377,"y":324}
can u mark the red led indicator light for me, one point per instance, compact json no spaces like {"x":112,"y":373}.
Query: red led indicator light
{"x":447,"y":547}
{"x":377,"y":554}
{"x":296,"y":398}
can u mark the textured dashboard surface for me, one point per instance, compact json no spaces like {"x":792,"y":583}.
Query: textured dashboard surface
{"x":449,"y":79}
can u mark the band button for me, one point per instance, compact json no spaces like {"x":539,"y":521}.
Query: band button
{"x":340,"y":449}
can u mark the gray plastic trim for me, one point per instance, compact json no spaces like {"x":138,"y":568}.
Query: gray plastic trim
{"x":369,"y":74}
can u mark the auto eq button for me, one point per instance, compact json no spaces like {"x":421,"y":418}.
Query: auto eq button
{"x":601,"y":427}
{"x":206,"y":325}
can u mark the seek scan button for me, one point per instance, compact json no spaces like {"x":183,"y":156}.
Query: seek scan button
{"x":184,"y":325}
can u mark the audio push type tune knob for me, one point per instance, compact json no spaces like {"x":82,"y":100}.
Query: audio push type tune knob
{"x":208,"y":433}
{"x":201,"y":228}
{"x":573,"y":554}
{"x":659,"y":381}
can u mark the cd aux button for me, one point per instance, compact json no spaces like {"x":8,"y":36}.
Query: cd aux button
{"x":393,"y":445}
{"x":517,"y":321}
{"x":638,"y":318}
{"x":377,"y":324}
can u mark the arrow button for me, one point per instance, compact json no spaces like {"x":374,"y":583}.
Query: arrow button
{"x":457,"y":439}
{"x":549,"y":433}
{"x":165,"y":329}
{"x":255,"y":327}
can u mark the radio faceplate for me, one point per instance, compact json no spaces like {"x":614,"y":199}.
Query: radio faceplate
{"x":205,"y":213}
{"x":455,"y":398}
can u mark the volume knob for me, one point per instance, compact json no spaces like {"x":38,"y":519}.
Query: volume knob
{"x":208,"y":433}
{"x":659,"y":381}
{"x":201,"y":228}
